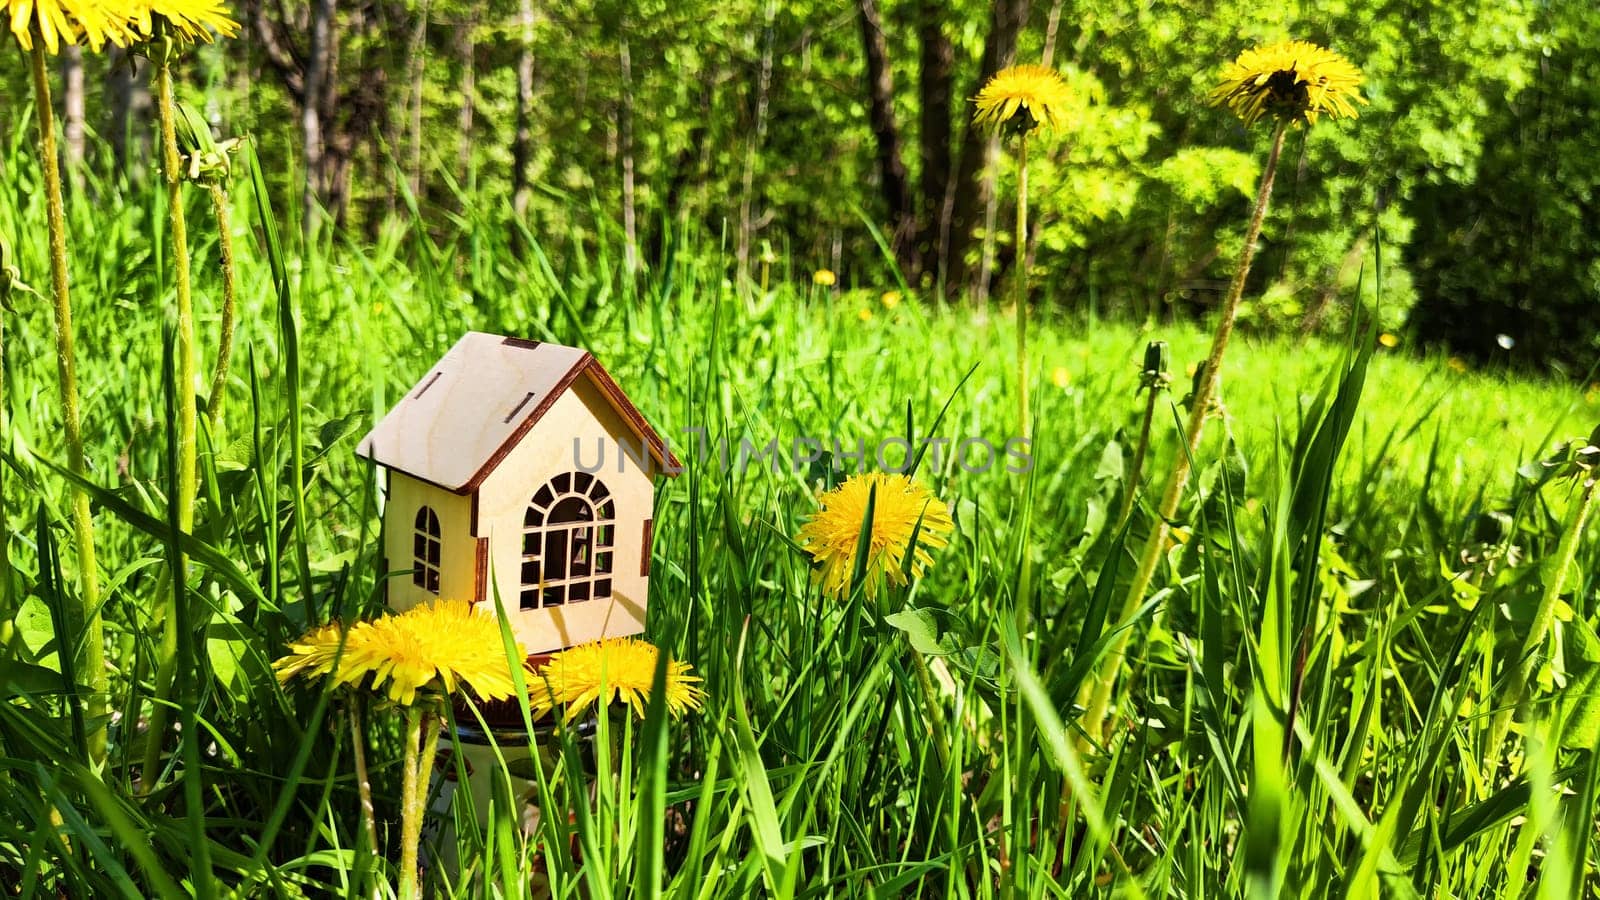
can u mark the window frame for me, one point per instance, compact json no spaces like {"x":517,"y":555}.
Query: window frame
{"x":427,"y":550}
{"x":572,"y":510}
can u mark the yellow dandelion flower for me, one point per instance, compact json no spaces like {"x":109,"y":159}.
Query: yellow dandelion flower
{"x":890,"y":299}
{"x":190,"y":20}
{"x":1388,"y":340}
{"x":1022,"y":98}
{"x":621,"y":669}
{"x":443,"y":644}
{"x":1060,"y":377}
{"x":832,"y":534}
{"x":314,"y":654}
{"x":864,"y":314}
{"x":824,"y":278}
{"x":58,"y":22}
{"x":1293,"y":80}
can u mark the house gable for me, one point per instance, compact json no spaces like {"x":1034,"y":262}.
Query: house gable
{"x":492,"y":439}
{"x":458,"y":423}
{"x":566,"y":444}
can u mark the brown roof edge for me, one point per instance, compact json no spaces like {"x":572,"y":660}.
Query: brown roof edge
{"x":613,"y":393}
{"x":664,"y":457}
{"x":525,"y":425}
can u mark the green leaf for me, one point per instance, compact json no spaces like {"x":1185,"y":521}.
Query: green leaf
{"x":238,"y":455}
{"x":335,"y":430}
{"x":1111,"y":466}
{"x":35,"y":628}
{"x":757,"y":789}
{"x":919,"y":629}
{"x":18,"y":678}
{"x":1582,"y":699}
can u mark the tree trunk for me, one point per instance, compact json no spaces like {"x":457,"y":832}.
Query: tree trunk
{"x":688,"y":168}
{"x":414,"y":73}
{"x":977,"y":148}
{"x":630,"y":232}
{"x":991,"y":217}
{"x":72,"y":114}
{"x":894,"y":181}
{"x":753,"y":146}
{"x":466,"y":48}
{"x":1051,"y":29}
{"x":522,"y":143}
{"x":318,"y":62}
{"x":936,"y":85}
{"x":128,"y":95}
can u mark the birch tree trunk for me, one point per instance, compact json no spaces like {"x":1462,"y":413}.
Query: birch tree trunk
{"x":522,"y":143}
{"x":72,"y":114}
{"x":753,"y":146}
{"x":467,"y":51}
{"x":630,"y":228}
{"x":414,"y":71}
{"x":127,"y":93}
{"x":318,"y":59}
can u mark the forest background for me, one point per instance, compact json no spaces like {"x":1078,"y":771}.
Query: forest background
{"x":836,"y":136}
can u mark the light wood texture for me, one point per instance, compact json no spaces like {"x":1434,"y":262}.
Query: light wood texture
{"x":460,"y":420}
{"x":581,"y":422}
{"x":457,"y":549}
{"x":476,"y":438}
{"x":468,"y":406}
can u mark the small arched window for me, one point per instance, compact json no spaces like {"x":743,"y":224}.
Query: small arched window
{"x":425,"y":547}
{"x":567,"y":536}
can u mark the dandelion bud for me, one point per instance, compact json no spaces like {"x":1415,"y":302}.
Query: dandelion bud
{"x":10,"y":277}
{"x":1194,"y":384}
{"x":1491,"y":528}
{"x":1156,"y":373}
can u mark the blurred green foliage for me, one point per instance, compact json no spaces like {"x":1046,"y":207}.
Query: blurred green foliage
{"x":744,"y":124}
{"x":1509,"y":257}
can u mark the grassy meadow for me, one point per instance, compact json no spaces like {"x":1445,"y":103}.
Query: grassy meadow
{"x":1313,"y":620}
{"x":919,"y":744}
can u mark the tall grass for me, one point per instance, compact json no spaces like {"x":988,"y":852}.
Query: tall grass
{"x":1315,"y":674}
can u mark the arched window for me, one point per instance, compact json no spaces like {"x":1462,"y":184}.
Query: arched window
{"x":567,"y":535}
{"x":425,"y":547}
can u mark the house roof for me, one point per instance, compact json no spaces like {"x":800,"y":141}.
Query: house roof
{"x":455,"y":425}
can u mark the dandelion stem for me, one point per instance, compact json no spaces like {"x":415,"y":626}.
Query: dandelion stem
{"x":215,"y":406}
{"x":1136,"y":471}
{"x":1024,"y":421}
{"x":184,"y":486}
{"x":408,"y":805}
{"x":369,"y":831}
{"x":1529,"y":656}
{"x":1021,"y":287}
{"x":1094,"y":719}
{"x":422,"y":744}
{"x":172,"y":166}
{"x":936,"y":719}
{"x":7,"y":630}
{"x":85,"y":613}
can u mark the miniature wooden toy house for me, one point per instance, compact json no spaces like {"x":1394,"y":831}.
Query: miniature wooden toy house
{"x":520,"y":466}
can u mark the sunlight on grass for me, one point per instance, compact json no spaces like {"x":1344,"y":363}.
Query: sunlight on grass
{"x":1364,"y":658}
